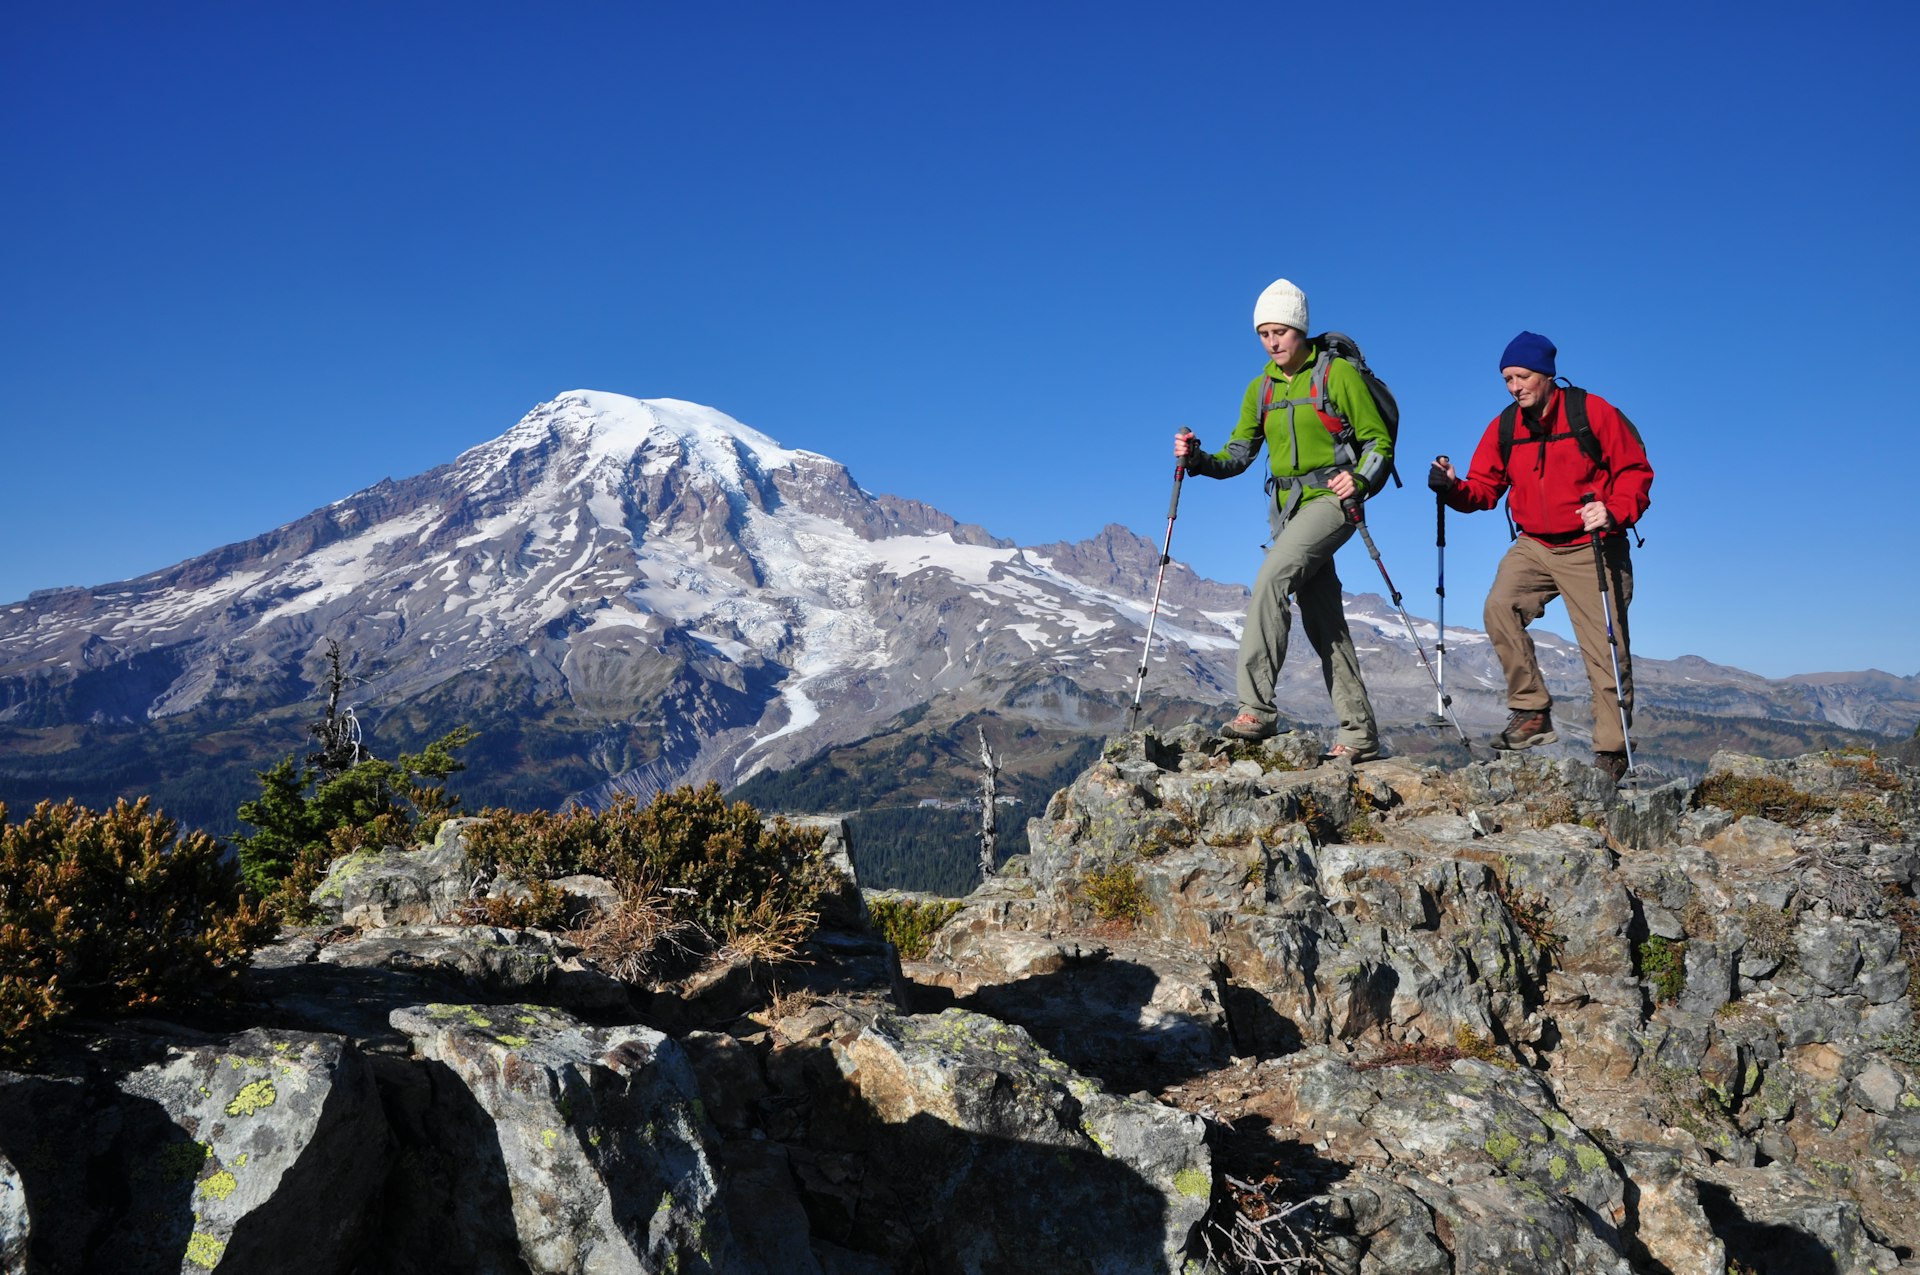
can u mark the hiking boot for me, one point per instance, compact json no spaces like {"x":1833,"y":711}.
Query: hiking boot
{"x":1525,"y":728}
{"x":1612,"y":765}
{"x":1247,"y":726}
{"x":1351,"y":753}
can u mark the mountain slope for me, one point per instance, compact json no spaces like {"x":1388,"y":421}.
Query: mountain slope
{"x":622,"y":594}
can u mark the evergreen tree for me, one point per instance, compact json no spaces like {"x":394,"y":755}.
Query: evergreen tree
{"x":343,"y":797}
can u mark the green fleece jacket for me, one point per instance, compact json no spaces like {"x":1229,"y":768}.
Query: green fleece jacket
{"x":1297,"y":440}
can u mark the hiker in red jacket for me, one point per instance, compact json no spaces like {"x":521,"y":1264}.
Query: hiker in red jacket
{"x":1563,"y":485}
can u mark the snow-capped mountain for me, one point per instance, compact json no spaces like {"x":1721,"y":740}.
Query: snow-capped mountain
{"x":630,"y":586}
{"x":687,"y":592}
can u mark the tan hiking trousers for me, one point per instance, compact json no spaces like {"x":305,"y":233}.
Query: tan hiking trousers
{"x":1300,"y":564}
{"x":1534,"y":574}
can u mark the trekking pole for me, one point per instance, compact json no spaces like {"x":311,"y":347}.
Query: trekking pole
{"x":1613,"y":643}
{"x":1440,"y":587}
{"x":1166,"y":552}
{"x":1357,"y":516}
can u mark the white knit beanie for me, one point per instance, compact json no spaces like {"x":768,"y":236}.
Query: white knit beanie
{"x":1281,"y":303}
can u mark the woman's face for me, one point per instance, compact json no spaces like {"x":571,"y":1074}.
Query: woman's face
{"x":1284,"y":344}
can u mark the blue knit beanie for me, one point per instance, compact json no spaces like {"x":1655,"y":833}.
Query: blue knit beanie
{"x":1531,"y":351}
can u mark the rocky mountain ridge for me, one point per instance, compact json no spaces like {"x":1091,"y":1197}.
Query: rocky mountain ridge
{"x":1232,"y":1010}
{"x":623,"y":594}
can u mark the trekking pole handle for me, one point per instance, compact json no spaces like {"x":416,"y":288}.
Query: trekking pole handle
{"x":1351,"y":506}
{"x":1587,"y":498}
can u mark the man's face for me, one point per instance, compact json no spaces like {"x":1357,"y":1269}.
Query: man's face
{"x":1530,"y":389}
{"x":1284,"y":344}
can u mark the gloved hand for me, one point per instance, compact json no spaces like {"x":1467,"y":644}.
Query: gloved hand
{"x":1440,"y":477}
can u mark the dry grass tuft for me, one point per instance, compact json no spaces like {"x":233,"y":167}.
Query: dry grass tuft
{"x":770,"y":933}
{"x":636,"y":938}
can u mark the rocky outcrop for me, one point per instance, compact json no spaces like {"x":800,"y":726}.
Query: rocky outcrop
{"x":600,"y":1142}
{"x":164,"y":1151}
{"x":1232,"y":1009}
{"x":1639,"y":1029}
{"x":398,"y":887}
{"x":974,"y":1120}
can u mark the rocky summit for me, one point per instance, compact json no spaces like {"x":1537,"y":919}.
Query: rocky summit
{"x":1233,"y":1010}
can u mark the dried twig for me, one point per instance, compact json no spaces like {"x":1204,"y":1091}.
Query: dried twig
{"x":1826,"y":875}
{"x":1252,"y":1229}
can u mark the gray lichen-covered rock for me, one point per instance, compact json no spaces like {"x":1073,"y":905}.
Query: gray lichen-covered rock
{"x":601,"y":1138}
{"x":15,"y":1226}
{"x":498,"y":963}
{"x":1001,"y":1158}
{"x":396,"y":886}
{"x":841,"y":905}
{"x":1709,"y":980}
{"x":1506,"y":1017}
{"x":207,"y":1156}
{"x":1671,"y":1226}
{"x":1505,"y":1179}
{"x":1773,"y":1221}
{"x":1128,"y":1013}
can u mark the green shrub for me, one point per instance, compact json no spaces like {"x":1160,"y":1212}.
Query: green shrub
{"x":1664,"y":964}
{"x":715,"y":864}
{"x":1116,"y":894}
{"x":910,"y":925}
{"x":102,"y":913}
{"x":306,"y":816}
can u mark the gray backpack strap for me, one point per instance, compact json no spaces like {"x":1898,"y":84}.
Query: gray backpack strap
{"x":1320,"y":401}
{"x":1296,"y":486}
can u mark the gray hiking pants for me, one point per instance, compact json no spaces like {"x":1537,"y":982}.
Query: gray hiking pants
{"x":1300,"y":564}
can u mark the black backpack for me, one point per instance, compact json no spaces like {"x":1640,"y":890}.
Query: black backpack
{"x":1340,"y":345}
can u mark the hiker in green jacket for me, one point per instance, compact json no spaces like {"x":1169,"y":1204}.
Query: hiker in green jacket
{"x":1297,"y":406}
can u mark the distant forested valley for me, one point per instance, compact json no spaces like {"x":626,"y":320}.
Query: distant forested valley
{"x":878,"y":784}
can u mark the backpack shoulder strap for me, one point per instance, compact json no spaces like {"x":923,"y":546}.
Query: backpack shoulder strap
{"x":1581,"y":428}
{"x":1509,"y":418}
{"x":1320,"y":372}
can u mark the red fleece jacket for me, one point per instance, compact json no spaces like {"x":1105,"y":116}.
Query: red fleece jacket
{"x":1547,"y":480}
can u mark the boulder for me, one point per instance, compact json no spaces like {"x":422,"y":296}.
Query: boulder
{"x":996,"y":1156}
{"x":397,"y":886}
{"x":176,"y":1156}
{"x":494,"y":962}
{"x":15,"y":1226}
{"x":605,"y":1149}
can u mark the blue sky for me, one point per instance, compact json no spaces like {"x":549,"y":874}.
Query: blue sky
{"x":258,"y":257}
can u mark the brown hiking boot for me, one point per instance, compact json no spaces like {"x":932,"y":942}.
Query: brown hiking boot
{"x":1525,"y":728}
{"x":1612,"y":765}
{"x":1247,"y":726}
